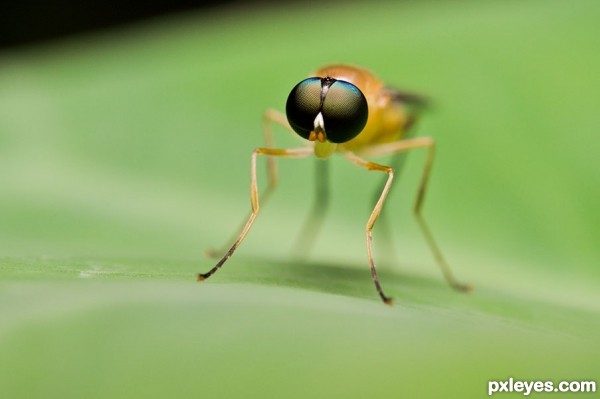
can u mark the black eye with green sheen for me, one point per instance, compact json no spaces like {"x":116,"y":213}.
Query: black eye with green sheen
{"x":341,"y":104}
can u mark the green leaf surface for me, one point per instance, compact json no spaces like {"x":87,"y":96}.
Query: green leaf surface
{"x":124,"y":155}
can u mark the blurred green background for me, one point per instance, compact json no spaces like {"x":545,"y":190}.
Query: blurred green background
{"x":125,"y":154}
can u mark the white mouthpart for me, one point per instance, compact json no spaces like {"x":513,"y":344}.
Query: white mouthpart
{"x":319,"y":123}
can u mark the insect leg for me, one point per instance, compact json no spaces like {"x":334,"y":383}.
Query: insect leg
{"x":437,"y":253}
{"x":396,"y":163}
{"x":374,"y":214}
{"x":269,"y":117}
{"x":313,"y":223}
{"x":429,"y":144}
{"x":274,"y":152}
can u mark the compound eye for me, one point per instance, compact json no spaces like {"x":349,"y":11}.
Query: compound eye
{"x":303,"y":105}
{"x":345,"y":112}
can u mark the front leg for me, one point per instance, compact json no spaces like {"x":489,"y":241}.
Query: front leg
{"x":270,"y":117}
{"x":428,"y":144}
{"x":271,"y":152}
{"x":374,"y":215}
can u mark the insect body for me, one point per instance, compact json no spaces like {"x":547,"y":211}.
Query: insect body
{"x":352,"y":98}
{"x":345,"y":109}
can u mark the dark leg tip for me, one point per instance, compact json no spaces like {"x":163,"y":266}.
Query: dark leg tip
{"x":463,"y":287}
{"x":387,"y":300}
{"x":201,"y":276}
